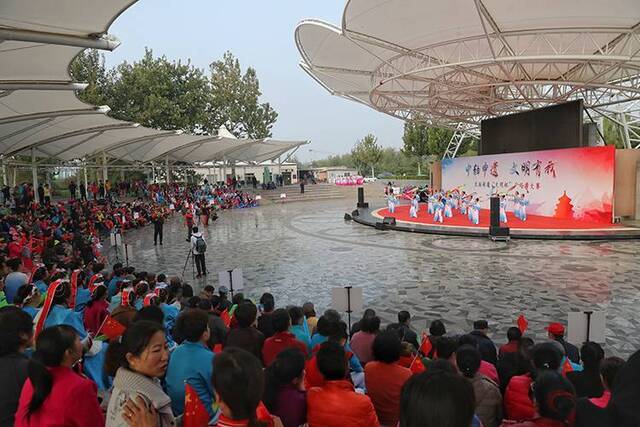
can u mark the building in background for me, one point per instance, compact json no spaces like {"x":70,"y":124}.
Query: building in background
{"x":331,"y":173}
{"x":263,"y":172}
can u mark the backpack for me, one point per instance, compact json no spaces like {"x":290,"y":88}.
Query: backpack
{"x":201,"y":245}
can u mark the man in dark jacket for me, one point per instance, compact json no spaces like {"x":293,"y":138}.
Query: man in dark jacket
{"x":486,"y":346}
{"x":408,"y":334}
{"x":556,"y":333}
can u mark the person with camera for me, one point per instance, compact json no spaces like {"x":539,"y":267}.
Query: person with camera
{"x":198,"y":249}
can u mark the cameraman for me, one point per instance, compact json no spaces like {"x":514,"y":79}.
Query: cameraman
{"x":198,"y":248}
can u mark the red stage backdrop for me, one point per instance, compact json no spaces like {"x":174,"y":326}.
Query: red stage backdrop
{"x":573,"y":183}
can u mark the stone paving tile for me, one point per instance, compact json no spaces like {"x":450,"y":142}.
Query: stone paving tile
{"x":300,"y":251}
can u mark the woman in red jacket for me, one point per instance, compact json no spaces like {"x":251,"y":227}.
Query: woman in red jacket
{"x":96,"y":310}
{"x":54,"y":394}
{"x":555,"y":401}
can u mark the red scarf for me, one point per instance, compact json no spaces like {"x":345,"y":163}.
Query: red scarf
{"x":41,"y":317}
{"x":74,"y":288}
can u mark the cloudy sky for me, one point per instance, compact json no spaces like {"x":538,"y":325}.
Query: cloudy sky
{"x":260,"y":33}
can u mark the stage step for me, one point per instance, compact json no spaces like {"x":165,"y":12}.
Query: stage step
{"x":311,"y":192}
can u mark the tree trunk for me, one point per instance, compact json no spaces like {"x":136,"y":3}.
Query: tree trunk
{"x":419,"y":172}
{"x":372,"y":174}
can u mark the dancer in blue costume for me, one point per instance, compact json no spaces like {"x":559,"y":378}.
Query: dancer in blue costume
{"x":475,"y":209}
{"x":391,"y":201}
{"x":413,"y":211}
{"x":516,"y":206}
{"x":438,"y":206}
{"x":523,"y":207}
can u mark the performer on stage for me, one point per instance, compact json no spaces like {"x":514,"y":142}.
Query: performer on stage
{"x":448,"y":206}
{"x":503,"y":209}
{"x":413,"y":211}
{"x":391,"y":201}
{"x":523,"y":207}
{"x":430,"y":202}
{"x":476,"y":212}
{"x":439,"y":209}
{"x":463,"y":203}
{"x":516,"y":205}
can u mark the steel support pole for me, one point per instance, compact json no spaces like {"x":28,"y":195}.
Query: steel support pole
{"x":86,"y":180}
{"x":168,"y":169}
{"x":4,"y":173}
{"x":105,"y":173}
{"x":153,"y":172}
{"x":34,"y":174}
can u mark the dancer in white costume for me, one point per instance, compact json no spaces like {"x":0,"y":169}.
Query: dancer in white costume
{"x":475,"y":212}
{"x":523,"y":207}
{"x":516,"y":206}
{"x":448,"y":206}
{"x":503,"y":209}
{"x":391,"y":201}
{"x":438,"y":206}
{"x":413,"y":211}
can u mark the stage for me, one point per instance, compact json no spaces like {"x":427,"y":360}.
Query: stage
{"x":535,"y":227}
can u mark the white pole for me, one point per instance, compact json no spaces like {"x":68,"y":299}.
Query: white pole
{"x":168,"y":169}
{"x":34,"y":173}
{"x":4,"y":173}
{"x":153,"y":173}
{"x":86,"y":180}
{"x":105,"y":175}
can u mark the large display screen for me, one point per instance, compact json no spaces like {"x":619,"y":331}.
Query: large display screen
{"x":574,"y":183}
{"x":549,"y":128}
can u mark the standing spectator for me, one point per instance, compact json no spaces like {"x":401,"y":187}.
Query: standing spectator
{"x":16,"y":334}
{"x":198,"y":249}
{"x":588,"y":382}
{"x":408,"y":334}
{"x":384,"y":378}
{"x":41,"y":194}
{"x":72,"y":189}
{"x":83,"y":192}
{"x":14,"y":280}
{"x":451,"y":394}
{"x":137,"y":361}
{"x":281,"y":339}
{"x":157,"y":218}
{"x":556,"y":333}
{"x":47,"y":194}
{"x":513,"y":337}
{"x":362,"y":342}
{"x":246,"y":336}
{"x":284,"y":394}
{"x":265,"y":322}
{"x":487,"y":392}
{"x":336,"y":403}
{"x":191,"y":362}
{"x":188,"y":221}
{"x":54,"y":394}
{"x":101,"y":189}
{"x":487,"y":347}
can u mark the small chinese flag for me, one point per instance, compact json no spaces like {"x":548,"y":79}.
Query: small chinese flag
{"x":426,"y":346}
{"x":226,"y":318}
{"x":522,"y":323}
{"x":566,"y":367}
{"x":195,"y":413}
{"x":417,"y":366}
{"x":262,"y":414}
{"x":111,"y":328}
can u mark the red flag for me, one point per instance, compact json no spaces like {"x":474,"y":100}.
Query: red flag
{"x":262,"y":414}
{"x":217,"y":349}
{"x":111,"y":328}
{"x":225,"y":317}
{"x":417,"y":366}
{"x":195,"y":413}
{"x":522,"y":323}
{"x":426,"y":346}
{"x":41,"y":317}
{"x":74,"y":288}
{"x":566,"y":367}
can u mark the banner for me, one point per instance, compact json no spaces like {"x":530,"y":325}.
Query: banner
{"x":572,"y":183}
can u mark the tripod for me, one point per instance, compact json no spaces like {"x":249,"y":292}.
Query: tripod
{"x":193,"y":264}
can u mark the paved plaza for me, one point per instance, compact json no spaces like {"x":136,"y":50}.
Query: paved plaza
{"x":299,"y":251}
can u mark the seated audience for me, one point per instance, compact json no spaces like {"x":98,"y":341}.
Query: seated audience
{"x":588,"y":383}
{"x":284,"y":393}
{"x":246,"y":336}
{"x":486,"y":346}
{"x":336,"y":403}
{"x":556,"y":332}
{"x":281,"y":338}
{"x":298,"y":327}
{"x":609,"y":368}
{"x":513,"y":337}
{"x":384,"y":378}
{"x":362,"y":341}
{"x":54,"y":394}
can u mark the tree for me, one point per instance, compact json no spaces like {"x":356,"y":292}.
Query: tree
{"x":367,"y":153}
{"x":88,"y":67}
{"x":159,"y":94}
{"x":416,"y":142}
{"x":612,"y":133}
{"x":234,"y":101}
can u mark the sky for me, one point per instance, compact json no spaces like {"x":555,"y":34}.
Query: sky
{"x":260,"y":33}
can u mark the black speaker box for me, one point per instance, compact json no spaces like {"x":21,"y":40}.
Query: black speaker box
{"x":389,"y":220}
{"x":361,"y":202}
{"x":380,"y":226}
{"x":499,"y":231}
{"x":347,"y":217}
{"x":355,"y":212}
{"x":495,"y":212}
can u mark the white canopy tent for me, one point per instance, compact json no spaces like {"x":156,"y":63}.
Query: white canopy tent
{"x":454,"y":63}
{"x":41,"y":117}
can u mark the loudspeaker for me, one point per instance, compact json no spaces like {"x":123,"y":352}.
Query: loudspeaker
{"x":355,"y":212}
{"x":495,"y":212}
{"x":347,"y":217}
{"x":499,"y":231}
{"x":389,"y":220}
{"x":361,"y":202}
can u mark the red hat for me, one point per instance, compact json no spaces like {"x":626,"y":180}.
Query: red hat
{"x":555,"y":328}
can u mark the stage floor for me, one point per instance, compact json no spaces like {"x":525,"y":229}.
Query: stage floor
{"x":535,"y":227}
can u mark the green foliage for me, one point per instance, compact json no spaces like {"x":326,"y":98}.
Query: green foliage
{"x":172,"y":95}
{"x":234,"y":101}
{"x":612,"y":133}
{"x":366,"y":154}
